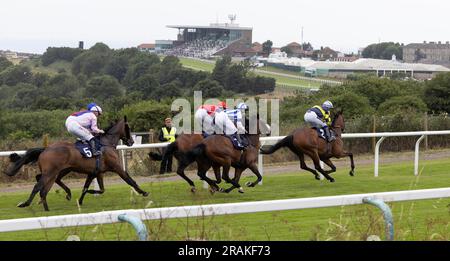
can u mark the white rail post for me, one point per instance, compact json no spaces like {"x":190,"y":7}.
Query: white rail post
{"x":416,"y":155}
{"x":122,"y":152}
{"x":377,"y":155}
{"x":322,"y":165}
{"x":261,"y":164}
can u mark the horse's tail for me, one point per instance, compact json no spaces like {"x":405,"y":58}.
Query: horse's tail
{"x":31,"y":156}
{"x":197,"y":151}
{"x":285,"y":142}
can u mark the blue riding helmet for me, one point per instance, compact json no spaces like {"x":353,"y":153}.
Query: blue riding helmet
{"x":90,"y":105}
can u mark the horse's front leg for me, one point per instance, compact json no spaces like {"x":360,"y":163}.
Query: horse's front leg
{"x":112,"y":164}
{"x":330,"y":164}
{"x":352,"y":163}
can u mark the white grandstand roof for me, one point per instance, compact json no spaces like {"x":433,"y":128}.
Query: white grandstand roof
{"x":362,"y":64}
{"x":212,"y":26}
{"x":378,"y":64}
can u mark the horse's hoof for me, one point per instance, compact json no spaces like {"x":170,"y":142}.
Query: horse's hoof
{"x":212,"y":191}
{"x":22,"y":205}
{"x":145,"y":194}
{"x":248,"y":184}
{"x":351,"y":173}
{"x":80,"y":202}
{"x":193,"y":190}
{"x":317,"y":177}
{"x":68,"y":197}
{"x":241,"y":190}
{"x":221,"y":190}
{"x":331,"y":180}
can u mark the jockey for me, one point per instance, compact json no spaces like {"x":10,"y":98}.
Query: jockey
{"x":83,"y":124}
{"x":319,"y":117}
{"x":204,"y":118}
{"x":236,"y":116}
{"x":224,"y":125}
{"x":222,"y":105}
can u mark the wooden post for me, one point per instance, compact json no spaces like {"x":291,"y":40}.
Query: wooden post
{"x":45,"y":140}
{"x":150,"y":135}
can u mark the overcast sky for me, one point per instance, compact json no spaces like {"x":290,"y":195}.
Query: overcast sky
{"x":344,"y":25}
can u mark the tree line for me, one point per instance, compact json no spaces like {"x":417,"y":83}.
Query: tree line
{"x":113,"y":78}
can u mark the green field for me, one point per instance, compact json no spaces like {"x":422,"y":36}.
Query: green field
{"x":288,"y":82}
{"x":418,"y":220}
{"x":197,"y":64}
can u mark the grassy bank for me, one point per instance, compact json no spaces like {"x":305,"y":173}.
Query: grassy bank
{"x":418,"y":220}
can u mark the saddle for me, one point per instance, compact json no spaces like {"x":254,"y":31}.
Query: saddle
{"x":84,"y":148}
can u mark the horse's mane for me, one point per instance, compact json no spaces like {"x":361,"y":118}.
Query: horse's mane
{"x":111,"y":125}
{"x":336,"y":115}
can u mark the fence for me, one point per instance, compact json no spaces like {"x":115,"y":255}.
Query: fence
{"x":267,"y":140}
{"x":135,"y":215}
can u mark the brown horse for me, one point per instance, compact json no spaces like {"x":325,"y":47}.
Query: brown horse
{"x":183,"y":144}
{"x":60,"y":158}
{"x":306,"y":141}
{"x":218,"y":151}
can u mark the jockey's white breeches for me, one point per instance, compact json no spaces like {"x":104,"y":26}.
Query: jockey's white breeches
{"x":224,"y":125}
{"x":203,"y":122}
{"x":76,"y":129}
{"x":311,"y":118}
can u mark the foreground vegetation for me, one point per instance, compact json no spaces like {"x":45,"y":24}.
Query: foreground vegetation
{"x":418,"y":220}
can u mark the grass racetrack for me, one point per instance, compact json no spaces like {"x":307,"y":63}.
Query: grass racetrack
{"x":413,"y":220}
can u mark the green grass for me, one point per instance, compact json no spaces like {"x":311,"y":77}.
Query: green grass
{"x":197,"y":64}
{"x":284,"y":81}
{"x":290,"y":82}
{"x":417,"y":220}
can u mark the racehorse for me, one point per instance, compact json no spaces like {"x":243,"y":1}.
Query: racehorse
{"x":306,"y":141}
{"x":60,"y":158}
{"x":218,"y":151}
{"x":179,"y":148}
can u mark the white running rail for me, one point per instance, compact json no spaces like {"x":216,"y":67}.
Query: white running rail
{"x":266,"y":140}
{"x":107,"y":217}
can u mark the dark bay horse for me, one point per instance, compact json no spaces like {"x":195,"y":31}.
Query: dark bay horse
{"x":218,"y":151}
{"x":306,"y":141}
{"x":60,"y":158}
{"x":183,"y":144}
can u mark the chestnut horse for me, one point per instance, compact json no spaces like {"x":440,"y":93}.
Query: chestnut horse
{"x":306,"y":141}
{"x":60,"y":158}
{"x":179,"y":148}
{"x":218,"y":151}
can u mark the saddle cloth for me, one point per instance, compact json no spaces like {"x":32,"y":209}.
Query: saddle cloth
{"x":321,"y":132}
{"x":235,"y":142}
{"x":85,"y":149}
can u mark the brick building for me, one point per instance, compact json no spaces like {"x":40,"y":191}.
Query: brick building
{"x":428,"y":53}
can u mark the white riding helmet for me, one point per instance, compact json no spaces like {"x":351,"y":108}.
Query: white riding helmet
{"x":327,"y":105}
{"x":242,"y":106}
{"x":97,"y":109}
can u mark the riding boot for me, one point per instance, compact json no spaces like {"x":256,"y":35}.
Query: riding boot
{"x":94,"y":150}
{"x":238,"y":138}
{"x":327,"y":133}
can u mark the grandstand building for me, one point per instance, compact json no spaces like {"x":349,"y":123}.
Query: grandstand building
{"x":215,"y":39}
{"x":341,"y":69}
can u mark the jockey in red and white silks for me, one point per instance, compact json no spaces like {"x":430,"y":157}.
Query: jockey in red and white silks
{"x":204,"y":119}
